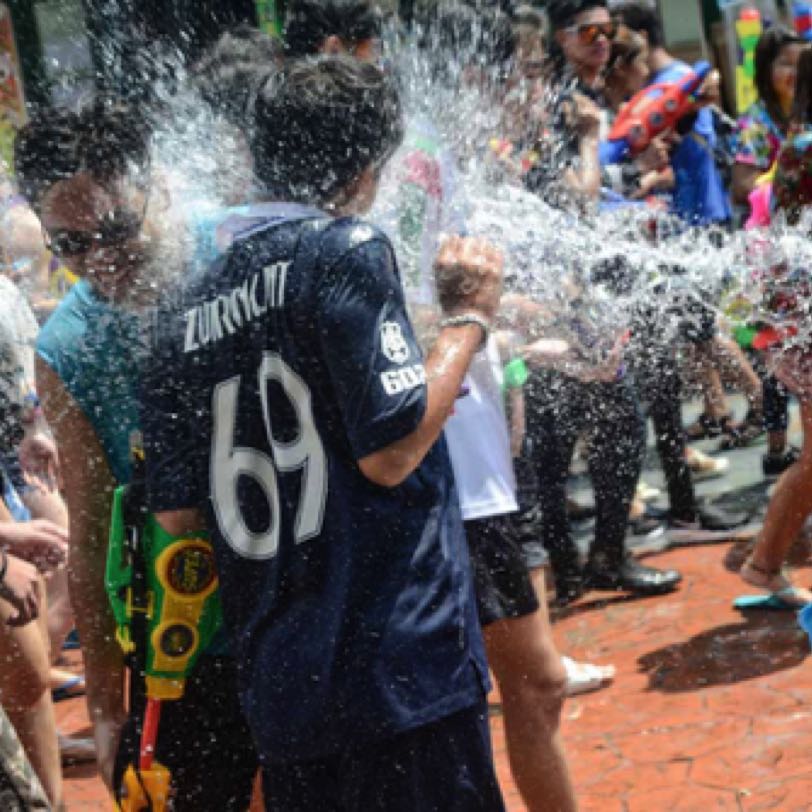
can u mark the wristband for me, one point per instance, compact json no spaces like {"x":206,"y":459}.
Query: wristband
{"x":3,"y":566}
{"x":464,"y":319}
{"x":516,"y":374}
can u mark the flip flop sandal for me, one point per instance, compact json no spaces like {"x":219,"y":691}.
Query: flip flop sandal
{"x":786,"y":600}
{"x":69,"y":689}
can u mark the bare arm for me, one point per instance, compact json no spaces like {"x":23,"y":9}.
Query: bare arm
{"x":89,"y":486}
{"x":469,"y":280}
{"x":584,"y":117}
{"x":586,"y":180}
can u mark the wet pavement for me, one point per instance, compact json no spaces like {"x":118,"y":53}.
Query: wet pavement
{"x":710,"y":709}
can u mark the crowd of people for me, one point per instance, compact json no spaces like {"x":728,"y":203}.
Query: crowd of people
{"x":327,"y":373}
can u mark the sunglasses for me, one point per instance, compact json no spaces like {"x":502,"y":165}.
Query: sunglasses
{"x":588,"y":33}
{"x":116,"y":228}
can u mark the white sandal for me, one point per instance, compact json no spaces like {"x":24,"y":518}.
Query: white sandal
{"x":583,"y":678}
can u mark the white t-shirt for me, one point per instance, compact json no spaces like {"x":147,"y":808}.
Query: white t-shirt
{"x":479,"y":441}
{"x":418,"y":200}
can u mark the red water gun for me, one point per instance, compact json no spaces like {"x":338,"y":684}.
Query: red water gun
{"x":658,"y":108}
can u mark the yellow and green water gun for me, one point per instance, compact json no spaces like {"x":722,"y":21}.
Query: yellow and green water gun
{"x":163,"y":590}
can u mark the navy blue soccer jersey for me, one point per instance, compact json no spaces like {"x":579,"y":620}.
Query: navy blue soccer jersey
{"x":349,"y":605}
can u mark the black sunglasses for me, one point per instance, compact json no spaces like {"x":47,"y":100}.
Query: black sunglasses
{"x":115,"y":228}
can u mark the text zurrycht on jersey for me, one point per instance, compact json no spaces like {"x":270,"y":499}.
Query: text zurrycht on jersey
{"x":224,"y":315}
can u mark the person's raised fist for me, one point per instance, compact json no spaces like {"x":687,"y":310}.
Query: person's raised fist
{"x":468,"y":272}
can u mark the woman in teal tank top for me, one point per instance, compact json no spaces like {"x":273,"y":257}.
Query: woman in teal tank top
{"x":97,"y":215}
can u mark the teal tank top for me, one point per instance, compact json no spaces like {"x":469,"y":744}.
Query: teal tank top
{"x":94,"y":348}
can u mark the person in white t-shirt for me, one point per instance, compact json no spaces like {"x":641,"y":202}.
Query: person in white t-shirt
{"x":518,"y":638}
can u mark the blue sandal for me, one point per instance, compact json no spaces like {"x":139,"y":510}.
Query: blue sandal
{"x":69,"y":689}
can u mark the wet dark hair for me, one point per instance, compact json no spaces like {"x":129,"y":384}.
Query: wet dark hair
{"x":309,"y":22}
{"x":107,"y":138}
{"x":528,"y":17}
{"x":229,"y":75}
{"x":626,"y":47}
{"x":641,"y":17}
{"x":768,"y":49}
{"x":458,"y":35}
{"x":802,"y":105}
{"x":561,"y":13}
{"x":319,"y":124}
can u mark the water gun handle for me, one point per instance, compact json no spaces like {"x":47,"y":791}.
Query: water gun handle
{"x":149,"y":734}
{"x":145,"y":789}
{"x":613,"y":152}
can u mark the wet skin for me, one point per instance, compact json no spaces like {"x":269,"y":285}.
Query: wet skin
{"x":80,"y":205}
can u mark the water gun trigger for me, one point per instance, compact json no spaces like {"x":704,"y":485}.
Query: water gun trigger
{"x":658,"y":108}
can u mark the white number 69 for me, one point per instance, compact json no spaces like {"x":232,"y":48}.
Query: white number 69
{"x":230,"y":462}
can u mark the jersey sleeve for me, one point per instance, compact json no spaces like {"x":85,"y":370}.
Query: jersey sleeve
{"x":167,"y":419}
{"x":375,"y":363}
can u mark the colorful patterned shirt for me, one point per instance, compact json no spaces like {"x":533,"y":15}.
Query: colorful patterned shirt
{"x":759,"y":138}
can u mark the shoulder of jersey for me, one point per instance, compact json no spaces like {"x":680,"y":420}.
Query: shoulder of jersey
{"x":346,"y":233}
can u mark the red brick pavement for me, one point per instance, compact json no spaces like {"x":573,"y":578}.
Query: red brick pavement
{"x":710,"y":710}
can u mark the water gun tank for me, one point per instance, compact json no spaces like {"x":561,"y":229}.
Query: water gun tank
{"x":657,"y":108}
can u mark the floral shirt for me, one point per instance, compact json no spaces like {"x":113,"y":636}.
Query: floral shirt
{"x":792,"y":187}
{"x":759,"y":138}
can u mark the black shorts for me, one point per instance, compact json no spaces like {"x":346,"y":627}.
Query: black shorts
{"x":204,"y":742}
{"x":445,"y":766}
{"x":502,"y":580}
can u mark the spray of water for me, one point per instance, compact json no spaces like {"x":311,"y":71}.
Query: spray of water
{"x":591,"y":273}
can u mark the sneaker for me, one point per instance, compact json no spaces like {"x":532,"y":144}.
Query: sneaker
{"x":583,"y":678}
{"x":774,"y":464}
{"x":647,"y":527}
{"x":710,"y":524}
{"x":645,"y":493}
{"x":705,"y":467}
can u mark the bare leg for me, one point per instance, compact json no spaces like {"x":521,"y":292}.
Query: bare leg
{"x":704,"y":371}
{"x":737,"y":370}
{"x":790,"y":505}
{"x":50,"y":505}
{"x":26,"y":697}
{"x":532,"y":681}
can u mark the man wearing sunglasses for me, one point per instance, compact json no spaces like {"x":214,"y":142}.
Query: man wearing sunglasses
{"x":583,"y":30}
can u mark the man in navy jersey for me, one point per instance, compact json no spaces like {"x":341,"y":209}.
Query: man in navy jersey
{"x":290,"y":409}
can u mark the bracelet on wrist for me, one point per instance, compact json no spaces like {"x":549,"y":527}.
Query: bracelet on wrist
{"x":466,"y":319}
